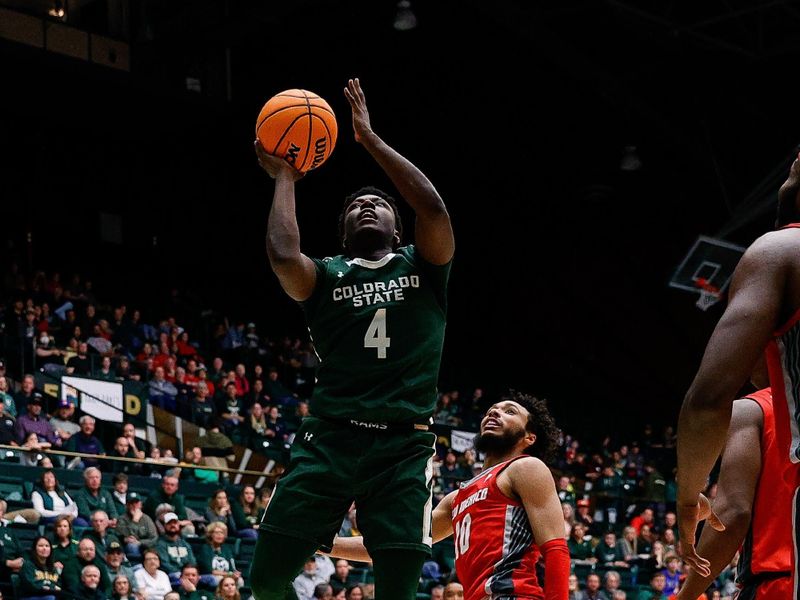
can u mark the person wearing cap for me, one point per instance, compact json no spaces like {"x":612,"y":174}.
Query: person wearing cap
{"x":135,"y":528}
{"x":172,"y":549}
{"x":63,"y":422}
{"x":34,"y":422}
{"x":100,"y":534}
{"x":116,"y":564}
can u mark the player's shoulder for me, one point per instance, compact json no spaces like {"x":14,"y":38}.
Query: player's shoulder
{"x":527,"y":466}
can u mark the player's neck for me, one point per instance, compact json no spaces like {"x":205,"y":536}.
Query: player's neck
{"x":493,"y":459}
{"x":374,"y":254}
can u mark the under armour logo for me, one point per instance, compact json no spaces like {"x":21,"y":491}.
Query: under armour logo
{"x":307,"y":437}
{"x":340,"y":274}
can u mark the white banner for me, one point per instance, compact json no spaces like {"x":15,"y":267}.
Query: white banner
{"x":109,"y":405}
{"x":462,"y":440}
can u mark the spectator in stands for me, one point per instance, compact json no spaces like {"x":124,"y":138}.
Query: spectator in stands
{"x":89,"y":587}
{"x":9,"y":406}
{"x":341,"y":578}
{"x":646,"y":517}
{"x":137,"y":530}
{"x":257,"y":394}
{"x":574,"y":587}
{"x":454,"y":591}
{"x":50,"y":500}
{"x":152,"y":582}
{"x":569,"y":517}
{"x":62,"y":538}
{"x":580,"y":548}
{"x":203,"y":411}
{"x":306,"y":581}
{"x":592,"y":590}
{"x":256,"y":425}
{"x":100,"y":534}
{"x":25,"y":394}
{"x":92,"y":496}
{"x":657,"y":585}
{"x":10,"y":549}
{"x":162,"y":392}
{"x":356,"y":593}
{"x":582,"y":515}
{"x":276,"y":425}
{"x":85,"y":442}
{"x":219,"y":511}
{"x":672,"y":573}
{"x":657,"y":556}
{"x":608,"y":554}
{"x":230,"y":409}
{"x":136,"y":447}
{"x":173,"y":551}
{"x":124,"y":371}
{"x":120,"y":491}
{"x":38,"y":577}
{"x":168,"y":494}
{"x":115,"y":557}
{"x":71,"y":576}
{"x":215,"y":558}
{"x":105,"y":372}
{"x":611,"y":583}
{"x":48,"y":357}
{"x":277,"y":392}
{"x":645,"y":539}
{"x":629,"y":544}
{"x":195,"y":457}
{"x":566,"y":493}
{"x":7,"y":434}
{"x":188,"y":585}
{"x":323,"y":591}
{"x":33,"y":450}
{"x":451,"y":473}
{"x":80,"y":364}
{"x":227,"y":589}
{"x":121,"y":449}
{"x":62,"y":422}
{"x":123,"y":588}
{"x":247,"y":513}
{"x":34,"y":422}
{"x":217,"y":447}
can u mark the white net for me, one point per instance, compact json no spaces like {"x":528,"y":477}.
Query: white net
{"x":707,"y":299}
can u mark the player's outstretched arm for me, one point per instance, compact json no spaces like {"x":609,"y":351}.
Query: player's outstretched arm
{"x":433,"y":230}
{"x":352,"y":548}
{"x":532,"y":481}
{"x":295,"y":271}
{"x":739,"y":471}
{"x":733,"y":349}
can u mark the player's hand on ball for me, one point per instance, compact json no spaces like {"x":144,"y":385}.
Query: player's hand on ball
{"x":358,"y":104}
{"x":274,"y":165}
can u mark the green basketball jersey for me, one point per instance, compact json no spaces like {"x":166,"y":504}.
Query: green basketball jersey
{"x":378,"y":328}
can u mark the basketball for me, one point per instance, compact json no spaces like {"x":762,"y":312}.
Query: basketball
{"x":298,"y":126}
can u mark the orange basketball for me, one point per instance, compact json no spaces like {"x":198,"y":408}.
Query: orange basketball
{"x":299,"y":126}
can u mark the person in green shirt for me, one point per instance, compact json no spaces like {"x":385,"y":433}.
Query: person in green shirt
{"x":656,"y":592}
{"x":377,"y":315}
{"x":579,"y":548}
{"x":172,"y":549}
{"x":188,"y":585}
{"x":168,"y":494}
{"x":93,"y":497}
{"x":86,"y":555}
{"x":215,"y":558}
{"x":39,"y":577}
{"x":65,"y":546}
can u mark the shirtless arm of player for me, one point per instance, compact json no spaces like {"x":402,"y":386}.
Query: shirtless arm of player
{"x":433,"y":232}
{"x":295,"y":271}
{"x":352,"y":548}
{"x":735,"y":345}
{"x":741,"y":465}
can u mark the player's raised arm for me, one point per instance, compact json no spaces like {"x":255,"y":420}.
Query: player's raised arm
{"x":296,"y":272}
{"x":433,"y":230}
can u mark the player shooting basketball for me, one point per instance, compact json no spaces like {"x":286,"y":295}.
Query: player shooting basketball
{"x":377,"y":317}
{"x":509,"y":515}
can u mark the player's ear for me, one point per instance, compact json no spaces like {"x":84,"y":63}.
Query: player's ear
{"x":396,"y":239}
{"x":530,"y":437}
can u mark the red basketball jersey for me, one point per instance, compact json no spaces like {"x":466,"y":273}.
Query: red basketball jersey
{"x":495,"y":553}
{"x":769,"y":545}
{"x":783,"y":363}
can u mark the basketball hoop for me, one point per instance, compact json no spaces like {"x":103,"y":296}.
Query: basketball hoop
{"x":709,"y":294}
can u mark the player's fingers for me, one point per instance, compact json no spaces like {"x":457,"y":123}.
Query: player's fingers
{"x":715,"y":522}
{"x":698,"y":563}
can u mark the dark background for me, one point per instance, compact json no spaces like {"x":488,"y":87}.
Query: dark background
{"x":519,"y":112}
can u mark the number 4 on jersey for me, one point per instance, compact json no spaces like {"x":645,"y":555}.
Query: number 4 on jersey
{"x":376,"y":333}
